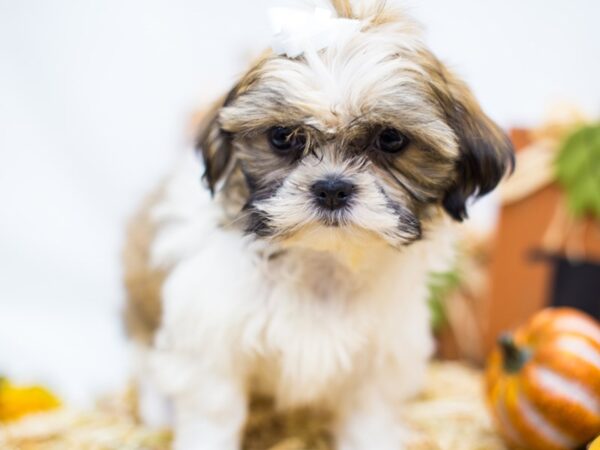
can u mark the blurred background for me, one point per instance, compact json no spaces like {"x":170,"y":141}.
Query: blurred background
{"x":95,"y":103}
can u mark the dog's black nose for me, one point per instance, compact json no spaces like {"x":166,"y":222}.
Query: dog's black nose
{"x":333,"y":193}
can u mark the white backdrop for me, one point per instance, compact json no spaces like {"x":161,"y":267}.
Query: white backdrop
{"x":95,"y":97}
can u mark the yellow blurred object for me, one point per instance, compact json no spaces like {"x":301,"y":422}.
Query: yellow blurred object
{"x":595,"y":445}
{"x":19,"y":401}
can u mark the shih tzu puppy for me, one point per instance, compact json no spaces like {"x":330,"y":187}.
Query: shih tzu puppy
{"x":333,"y":172}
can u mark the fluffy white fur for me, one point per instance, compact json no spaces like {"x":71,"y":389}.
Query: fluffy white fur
{"x":315,"y":306}
{"x":350,"y":331}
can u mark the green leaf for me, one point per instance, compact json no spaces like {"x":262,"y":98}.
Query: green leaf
{"x":578,"y":171}
{"x":441,"y":285}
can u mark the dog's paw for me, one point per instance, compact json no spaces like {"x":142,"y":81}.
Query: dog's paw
{"x":415,"y":440}
{"x":199,"y":441}
{"x":154,"y":409}
{"x":392,"y":437}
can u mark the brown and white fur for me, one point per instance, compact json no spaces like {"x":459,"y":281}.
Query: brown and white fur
{"x":253,"y":285}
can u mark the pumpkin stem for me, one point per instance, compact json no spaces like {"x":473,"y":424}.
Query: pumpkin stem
{"x":513,"y":356}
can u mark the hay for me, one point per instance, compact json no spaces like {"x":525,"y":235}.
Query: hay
{"x":449,"y":415}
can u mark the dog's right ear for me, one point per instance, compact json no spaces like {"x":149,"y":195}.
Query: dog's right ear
{"x":215,"y":144}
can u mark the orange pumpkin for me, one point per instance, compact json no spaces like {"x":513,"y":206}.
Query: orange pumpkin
{"x":543,"y":381}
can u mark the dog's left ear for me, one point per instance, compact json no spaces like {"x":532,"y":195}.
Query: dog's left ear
{"x":486,"y":152}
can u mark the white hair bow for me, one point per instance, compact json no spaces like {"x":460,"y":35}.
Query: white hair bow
{"x":307,"y":25}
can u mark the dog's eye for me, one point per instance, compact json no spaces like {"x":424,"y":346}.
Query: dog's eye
{"x":391,"y":140}
{"x":286,"y":140}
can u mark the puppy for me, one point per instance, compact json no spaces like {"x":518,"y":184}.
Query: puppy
{"x":332,"y":179}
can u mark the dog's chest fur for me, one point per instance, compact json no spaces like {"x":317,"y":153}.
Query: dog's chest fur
{"x":304,"y":324}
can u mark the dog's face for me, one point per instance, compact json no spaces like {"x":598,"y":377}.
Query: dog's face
{"x":372,"y":135}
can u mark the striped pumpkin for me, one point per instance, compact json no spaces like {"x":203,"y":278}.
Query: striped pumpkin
{"x":543,"y":381}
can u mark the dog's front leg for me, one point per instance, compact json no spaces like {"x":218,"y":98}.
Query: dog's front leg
{"x":210,"y":414}
{"x":370,"y":421}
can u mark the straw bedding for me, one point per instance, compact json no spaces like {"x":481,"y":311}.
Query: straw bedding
{"x":450,"y":414}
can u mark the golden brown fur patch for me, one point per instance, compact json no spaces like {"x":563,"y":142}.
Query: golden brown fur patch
{"x":143,"y":283}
